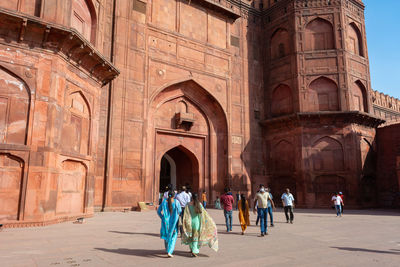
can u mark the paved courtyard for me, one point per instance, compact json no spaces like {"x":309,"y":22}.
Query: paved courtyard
{"x":317,"y":238}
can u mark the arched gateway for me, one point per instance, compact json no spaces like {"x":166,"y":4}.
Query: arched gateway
{"x":186,"y":140}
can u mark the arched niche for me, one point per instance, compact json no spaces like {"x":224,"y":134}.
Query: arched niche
{"x":77,"y":124}
{"x":325,"y":186}
{"x":11,"y":173}
{"x":279,"y":184}
{"x":280,"y":43}
{"x":84,"y":19}
{"x":323,"y":95}
{"x":359,"y":97}
{"x":328,"y":155}
{"x":207,"y":138}
{"x":71,"y":188}
{"x":354,"y":42}
{"x":283,"y":157}
{"x":14,"y":108}
{"x":319,"y":35}
{"x":281,"y":101}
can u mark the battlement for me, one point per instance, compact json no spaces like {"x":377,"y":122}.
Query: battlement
{"x":386,"y":107}
{"x":385,"y":101}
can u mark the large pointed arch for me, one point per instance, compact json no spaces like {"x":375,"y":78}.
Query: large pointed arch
{"x":196,"y":96}
{"x":207,"y":139}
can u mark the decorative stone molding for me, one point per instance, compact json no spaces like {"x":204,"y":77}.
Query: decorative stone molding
{"x":66,"y":42}
{"x":326,"y":117}
{"x":226,"y":7}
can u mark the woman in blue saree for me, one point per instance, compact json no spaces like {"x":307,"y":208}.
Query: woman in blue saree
{"x":169,"y":211}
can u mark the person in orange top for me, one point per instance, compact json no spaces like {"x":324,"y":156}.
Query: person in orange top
{"x":204,"y":199}
{"x":244,"y":214}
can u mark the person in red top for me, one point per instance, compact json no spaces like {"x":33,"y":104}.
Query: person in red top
{"x":342,"y":196}
{"x":227,"y":202}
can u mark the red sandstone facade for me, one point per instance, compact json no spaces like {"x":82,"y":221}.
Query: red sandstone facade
{"x":102,"y":102}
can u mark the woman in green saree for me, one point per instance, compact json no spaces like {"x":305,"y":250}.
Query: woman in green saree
{"x":199,"y":229}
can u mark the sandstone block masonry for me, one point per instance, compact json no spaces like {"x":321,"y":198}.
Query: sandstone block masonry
{"x":103,"y":103}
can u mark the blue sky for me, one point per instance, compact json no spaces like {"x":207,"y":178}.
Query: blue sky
{"x":382,"y":20}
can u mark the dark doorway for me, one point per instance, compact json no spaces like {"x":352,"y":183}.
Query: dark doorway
{"x":165,"y":174}
{"x":179,"y":167}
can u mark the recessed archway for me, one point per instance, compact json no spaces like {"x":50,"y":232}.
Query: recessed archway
{"x":179,"y":167}
{"x":185,"y":118}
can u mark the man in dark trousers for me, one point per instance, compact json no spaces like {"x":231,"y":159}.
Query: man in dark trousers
{"x":288,"y":205}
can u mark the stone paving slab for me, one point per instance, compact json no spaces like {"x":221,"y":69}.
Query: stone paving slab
{"x":317,"y":238}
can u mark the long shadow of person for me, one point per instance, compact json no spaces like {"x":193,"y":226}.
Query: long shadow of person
{"x":147,"y":253}
{"x":133,"y":233}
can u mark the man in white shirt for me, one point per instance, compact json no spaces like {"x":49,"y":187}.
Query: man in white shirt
{"x":338,"y":202}
{"x":183,"y":198}
{"x":288,"y":205}
{"x":261,"y":200}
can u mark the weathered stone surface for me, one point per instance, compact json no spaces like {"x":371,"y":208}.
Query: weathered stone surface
{"x":210,"y":94}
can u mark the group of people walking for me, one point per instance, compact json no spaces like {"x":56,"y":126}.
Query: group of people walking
{"x":263,"y":205}
{"x":185,"y":214}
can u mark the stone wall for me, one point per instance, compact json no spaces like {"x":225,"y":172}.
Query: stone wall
{"x":388,"y":140}
{"x":49,"y":132}
{"x":228,"y":93}
{"x":51,"y":80}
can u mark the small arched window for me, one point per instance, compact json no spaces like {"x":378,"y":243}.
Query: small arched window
{"x":83,"y":18}
{"x":354,"y":41}
{"x":14,"y":109}
{"x":323,"y":95}
{"x":319,"y":35}
{"x":76,"y":130}
{"x":279,"y":44}
{"x":358,"y":94}
{"x":328,"y":155}
{"x":281,"y":102}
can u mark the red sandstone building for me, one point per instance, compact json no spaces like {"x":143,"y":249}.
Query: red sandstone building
{"x":103,"y":102}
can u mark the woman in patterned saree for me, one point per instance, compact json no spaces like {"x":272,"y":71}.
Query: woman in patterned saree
{"x":199,"y":228}
{"x":169,"y":211}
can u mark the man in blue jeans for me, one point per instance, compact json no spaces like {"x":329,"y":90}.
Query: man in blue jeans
{"x":227,"y":202}
{"x":271,"y":205}
{"x":261,"y":199}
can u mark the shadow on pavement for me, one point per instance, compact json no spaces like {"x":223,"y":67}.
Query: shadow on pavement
{"x":367,"y":250}
{"x":148,"y":253}
{"x":372,"y":212}
{"x":222,"y":224}
{"x":229,"y":233}
{"x":133,"y":233}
